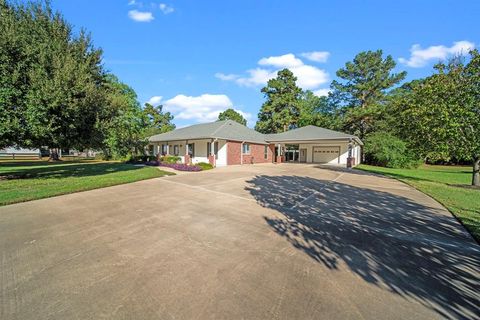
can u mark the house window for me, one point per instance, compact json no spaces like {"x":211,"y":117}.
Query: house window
{"x":246,"y":148}
{"x":164,"y":149}
{"x":175,"y":150}
{"x":191,"y":149}
{"x":265,"y":152}
{"x":215,"y":149}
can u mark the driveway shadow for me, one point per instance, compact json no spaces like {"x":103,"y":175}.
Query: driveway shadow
{"x":387,"y":240}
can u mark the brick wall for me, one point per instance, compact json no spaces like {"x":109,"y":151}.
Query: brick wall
{"x":256,"y":155}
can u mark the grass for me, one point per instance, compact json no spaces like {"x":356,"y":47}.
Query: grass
{"x":446,"y":184}
{"x":204,"y":166}
{"x":29,"y":180}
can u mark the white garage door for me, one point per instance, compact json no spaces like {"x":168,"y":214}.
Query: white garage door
{"x":326,"y":154}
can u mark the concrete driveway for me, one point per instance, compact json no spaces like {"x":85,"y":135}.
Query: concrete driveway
{"x":253,"y":242}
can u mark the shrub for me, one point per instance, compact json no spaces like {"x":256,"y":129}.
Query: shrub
{"x":386,"y":150}
{"x":170,"y":159}
{"x":139,"y":158}
{"x":204,"y":165}
{"x":132,"y":159}
{"x":99,"y":156}
{"x":153,"y":163}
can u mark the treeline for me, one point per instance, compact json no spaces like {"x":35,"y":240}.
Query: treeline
{"x":431,"y":120}
{"x":55,"y":92}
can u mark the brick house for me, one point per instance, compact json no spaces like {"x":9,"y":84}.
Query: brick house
{"x":227,"y":142}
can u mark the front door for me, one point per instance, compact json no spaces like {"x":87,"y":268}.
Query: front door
{"x":303,"y":155}
{"x":291,"y":152}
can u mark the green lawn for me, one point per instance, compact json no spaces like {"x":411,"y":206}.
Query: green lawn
{"x":441,"y":183}
{"x":29,"y":180}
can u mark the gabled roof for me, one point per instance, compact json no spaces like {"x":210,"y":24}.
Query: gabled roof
{"x":309,"y":133}
{"x":227,"y":129}
{"x":231,"y":130}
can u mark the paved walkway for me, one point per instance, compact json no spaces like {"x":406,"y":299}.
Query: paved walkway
{"x":254,"y":242}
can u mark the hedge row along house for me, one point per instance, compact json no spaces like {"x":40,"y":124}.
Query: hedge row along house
{"x":223,"y":143}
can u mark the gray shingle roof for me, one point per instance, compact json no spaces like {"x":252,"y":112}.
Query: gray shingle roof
{"x":231,"y":130}
{"x":227,"y":129}
{"x":309,"y":133}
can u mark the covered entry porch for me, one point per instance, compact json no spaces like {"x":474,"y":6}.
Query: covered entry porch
{"x":193,"y":151}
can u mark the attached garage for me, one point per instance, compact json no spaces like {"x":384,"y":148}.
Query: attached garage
{"x":316,"y":145}
{"x":326,"y":154}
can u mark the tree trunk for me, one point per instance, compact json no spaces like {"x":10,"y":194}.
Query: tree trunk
{"x":476,"y":172}
{"x":54,"y":155}
{"x":361,"y":135}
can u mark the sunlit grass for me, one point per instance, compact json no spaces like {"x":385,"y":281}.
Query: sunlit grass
{"x":29,"y":180}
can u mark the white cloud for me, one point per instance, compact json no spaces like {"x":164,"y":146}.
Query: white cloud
{"x":286,"y":61}
{"x":226,"y":77}
{"x":420,"y":57}
{"x":317,"y":56}
{"x":155,"y":100}
{"x":257,"y":76}
{"x":246,"y":115}
{"x":203,"y":108}
{"x":308,"y":77}
{"x":197,"y":109}
{"x":321,"y":92}
{"x":140,"y":16}
{"x":166,"y":9}
{"x":132,"y":2}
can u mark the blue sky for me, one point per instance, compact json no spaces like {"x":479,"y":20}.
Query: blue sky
{"x":200,"y":57}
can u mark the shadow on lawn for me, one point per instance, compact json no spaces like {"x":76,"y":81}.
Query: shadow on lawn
{"x":67,"y":170}
{"x":385,"y":239}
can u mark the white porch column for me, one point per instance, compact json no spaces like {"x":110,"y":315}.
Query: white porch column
{"x":168,"y":149}
{"x":212,"y":151}
{"x":280,"y":153}
{"x":241,"y":152}
{"x":186,"y":157}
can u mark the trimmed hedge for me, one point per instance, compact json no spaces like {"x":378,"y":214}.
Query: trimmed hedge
{"x":170,"y":159}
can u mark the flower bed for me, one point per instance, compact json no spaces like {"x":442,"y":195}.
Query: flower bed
{"x":180,"y":166}
{"x":176,"y":166}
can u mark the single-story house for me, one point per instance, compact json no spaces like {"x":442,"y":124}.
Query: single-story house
{"x":227,"y":142}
